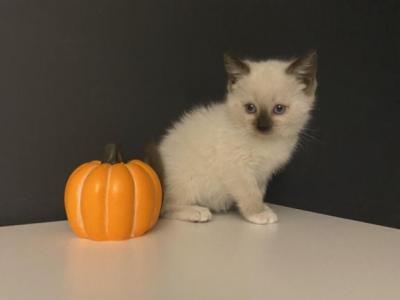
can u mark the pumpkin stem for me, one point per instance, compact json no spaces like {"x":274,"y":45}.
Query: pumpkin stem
{"x":113,"y":154}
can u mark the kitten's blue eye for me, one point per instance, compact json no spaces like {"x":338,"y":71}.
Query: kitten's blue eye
{"x":250,"y":108}
{"x":279,"y":109}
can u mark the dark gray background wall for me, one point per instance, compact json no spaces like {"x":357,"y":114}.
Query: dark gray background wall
{"x":77,"y":74}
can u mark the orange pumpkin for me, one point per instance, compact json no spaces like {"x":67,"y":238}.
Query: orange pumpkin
{"x":111,"y":200}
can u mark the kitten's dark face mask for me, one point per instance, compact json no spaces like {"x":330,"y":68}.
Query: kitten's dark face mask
{"x":263,"y":122}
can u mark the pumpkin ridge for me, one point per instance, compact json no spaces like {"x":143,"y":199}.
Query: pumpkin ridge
{"x":134,"y":200}
{"x":106,"y":194}
{"x":82,"y":184}
{"x":149,"y":178}
{"x":155,"y":180}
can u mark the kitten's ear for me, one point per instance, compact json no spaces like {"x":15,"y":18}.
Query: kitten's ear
{"x":235,"y":68}
{"x":305,"y":70}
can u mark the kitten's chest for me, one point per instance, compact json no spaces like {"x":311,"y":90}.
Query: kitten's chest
{"x":269,"y":157}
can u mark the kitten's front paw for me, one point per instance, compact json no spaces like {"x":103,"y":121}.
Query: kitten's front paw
{"x":200,"y":214}
{"x":266,"y":216}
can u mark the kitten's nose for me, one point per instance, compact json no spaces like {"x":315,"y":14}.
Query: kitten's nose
{"x":264,"y":128}
{"x":264,"y":122}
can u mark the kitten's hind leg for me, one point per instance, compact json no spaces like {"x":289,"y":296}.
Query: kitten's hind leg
{"x":189,"y":213}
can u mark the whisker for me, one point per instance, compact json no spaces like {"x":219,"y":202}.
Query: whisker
{"x":309,"y":136}
{"x":310,"y":129}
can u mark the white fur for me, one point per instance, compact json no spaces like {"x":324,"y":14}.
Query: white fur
{"x":214,"y":158}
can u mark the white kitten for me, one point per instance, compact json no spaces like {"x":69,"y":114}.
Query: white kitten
{"x":224,"y":154}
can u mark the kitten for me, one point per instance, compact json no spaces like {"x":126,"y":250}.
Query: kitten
{"x":224,"y":154}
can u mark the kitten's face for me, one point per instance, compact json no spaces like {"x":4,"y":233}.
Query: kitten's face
{"x":271,"y":97}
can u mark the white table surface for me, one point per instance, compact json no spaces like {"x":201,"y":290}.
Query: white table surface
{"x":304,"y":256}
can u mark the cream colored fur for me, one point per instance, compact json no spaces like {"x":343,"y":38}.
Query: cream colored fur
{"x":214,"y":158}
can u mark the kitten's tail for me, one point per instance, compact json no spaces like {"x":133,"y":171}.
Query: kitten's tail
{"x":152,"y":157}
